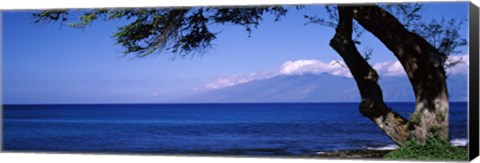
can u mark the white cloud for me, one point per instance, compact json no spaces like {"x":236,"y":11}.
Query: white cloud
{"x":338,"y":68}
{"x":297,"y":67}
{"x":461,"y":67}
{"x":395,"y":68}
{"x":300,"y":67}
{"x":239,"y":79}
{"x":389,"y":68}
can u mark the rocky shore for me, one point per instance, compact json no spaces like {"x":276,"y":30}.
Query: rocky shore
{"x":373,"y":154}
{"x":353,"y":154}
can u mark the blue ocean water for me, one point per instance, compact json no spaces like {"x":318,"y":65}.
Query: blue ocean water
{"x":288,"y":129}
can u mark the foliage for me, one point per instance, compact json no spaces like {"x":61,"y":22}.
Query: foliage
{"x":433,"y":149}
{"x":443,"y":34}
{"x":48,"y":16}
{"x":332,"y":22}
{"x":186,"y":31}
{"x":414,"y":121}
{"x":409,"y":14}
{"x":181,"y":31}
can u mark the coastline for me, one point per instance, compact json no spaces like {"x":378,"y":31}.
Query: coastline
{"x":352,"y":154}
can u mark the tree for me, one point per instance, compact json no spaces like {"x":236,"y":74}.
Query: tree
{"x":422,"y":63}
{"x":184,"y":32}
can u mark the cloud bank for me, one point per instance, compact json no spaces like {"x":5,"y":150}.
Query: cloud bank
{"x":232,"y":80}
{"x":300,"y":67}
{"x":338,"y":68}
{"x":461,"y":67}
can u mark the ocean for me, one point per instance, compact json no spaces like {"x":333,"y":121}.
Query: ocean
{"x":285,"y":129}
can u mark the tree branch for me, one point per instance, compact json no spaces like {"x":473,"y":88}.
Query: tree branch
{"x":372,"y":104}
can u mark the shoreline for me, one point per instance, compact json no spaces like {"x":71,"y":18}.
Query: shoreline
{"x":365,"y":153}
{"x":337,"y":154}
{"x":359,"y":153}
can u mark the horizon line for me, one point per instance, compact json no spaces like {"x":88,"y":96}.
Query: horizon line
{"x":207,"y":103}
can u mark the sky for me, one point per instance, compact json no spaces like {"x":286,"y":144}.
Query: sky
{"x":49,"y":63}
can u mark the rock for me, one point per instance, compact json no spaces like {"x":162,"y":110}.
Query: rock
{"x":353,"y":154}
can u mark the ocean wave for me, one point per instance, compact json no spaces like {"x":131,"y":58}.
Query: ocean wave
{"x":387,"y":147}
{"x":455,"y":142}
{"x":459,"y":142}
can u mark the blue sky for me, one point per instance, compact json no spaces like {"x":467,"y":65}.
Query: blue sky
{"x":53,"y":64}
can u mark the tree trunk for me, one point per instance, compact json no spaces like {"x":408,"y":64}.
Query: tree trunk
{"x":423,"y":64}
{"x":372,"y":104}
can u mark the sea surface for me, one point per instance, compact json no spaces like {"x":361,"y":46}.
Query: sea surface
{"x":287,"y":129}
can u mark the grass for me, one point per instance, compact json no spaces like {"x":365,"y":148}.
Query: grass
{"x":432,"y":150}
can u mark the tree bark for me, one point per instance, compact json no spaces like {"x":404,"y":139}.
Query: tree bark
{"x":372,"y":104}
{"x":423,"y":64}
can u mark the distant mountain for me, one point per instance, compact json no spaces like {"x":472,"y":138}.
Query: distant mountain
{"x":318,"y":88}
